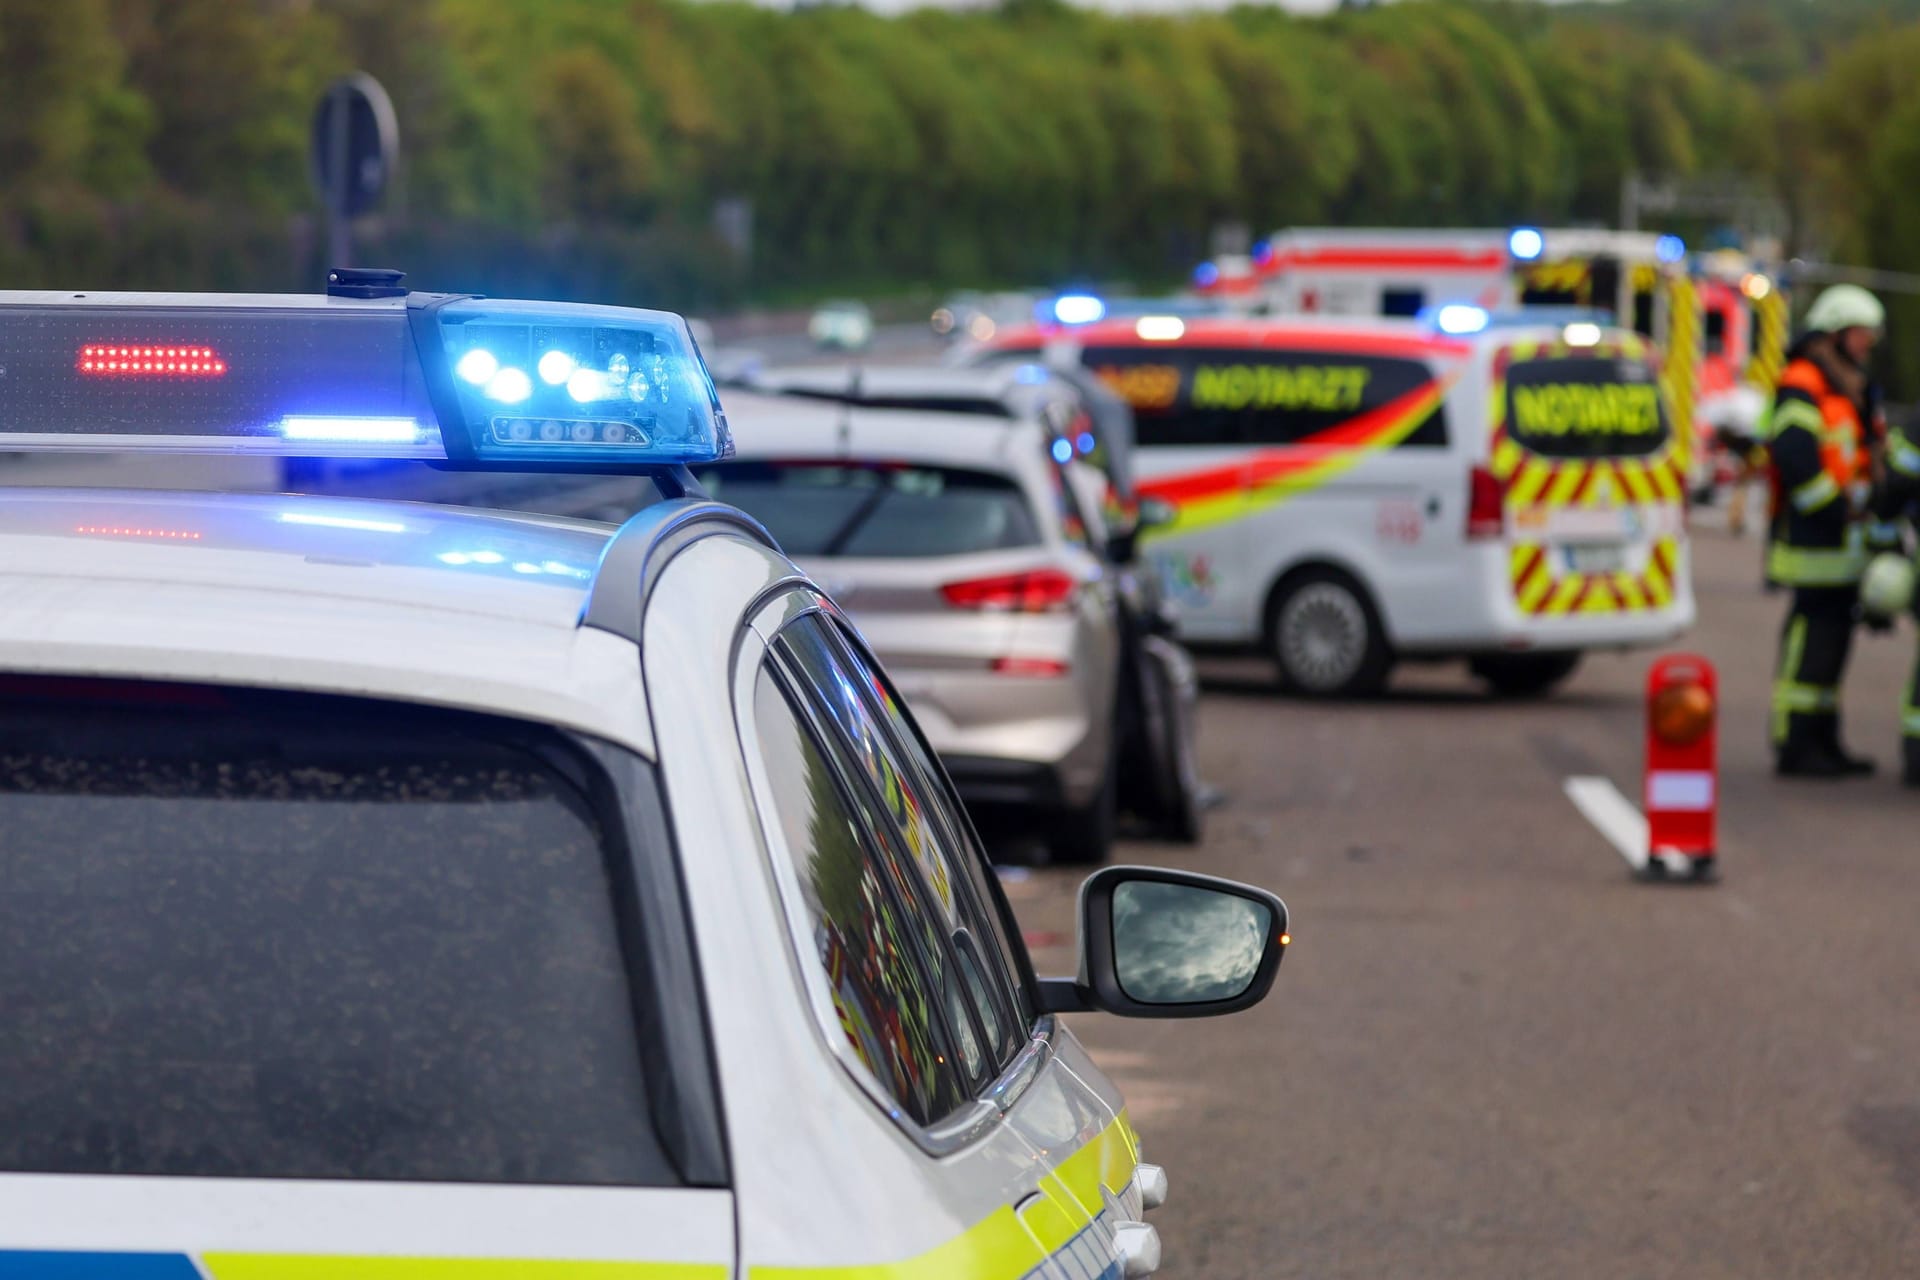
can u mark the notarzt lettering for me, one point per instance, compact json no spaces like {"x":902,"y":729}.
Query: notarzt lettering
{"x":1277,"y":386}
{"x":1567,"y":408}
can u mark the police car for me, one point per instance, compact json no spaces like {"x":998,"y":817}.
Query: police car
{"x":395,"y":891}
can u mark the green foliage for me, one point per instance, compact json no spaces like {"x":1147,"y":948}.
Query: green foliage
{"x":578,"y":147}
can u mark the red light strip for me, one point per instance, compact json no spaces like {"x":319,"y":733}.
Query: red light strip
{"x":115,"y":531}
{"x":150,"y":362}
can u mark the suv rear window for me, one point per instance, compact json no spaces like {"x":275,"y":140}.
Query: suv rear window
{"x":306,"y":937}
{"x":847,"y":509}
{"x":1258,"y":396}
{"x":1586,"y":407}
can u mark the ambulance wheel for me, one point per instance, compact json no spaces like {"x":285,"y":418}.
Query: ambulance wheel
{"x":1524,"y":675}
{"x":1326,"y":636}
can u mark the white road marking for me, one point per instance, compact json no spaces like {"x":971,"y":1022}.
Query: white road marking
{"x":1624,"y":826}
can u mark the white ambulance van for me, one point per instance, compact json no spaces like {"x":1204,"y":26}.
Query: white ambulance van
{"x":1346,"y":494}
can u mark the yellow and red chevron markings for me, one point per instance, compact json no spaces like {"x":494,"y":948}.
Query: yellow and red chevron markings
{"x":1542,"y":593}
{"x":1536,"y":485}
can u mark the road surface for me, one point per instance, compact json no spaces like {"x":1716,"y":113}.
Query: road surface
{"x":1489,"y":1053}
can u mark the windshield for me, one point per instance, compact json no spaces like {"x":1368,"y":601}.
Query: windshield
{"x":884,"y":511}
{"x":1586,"y":407}
{"x":301,"y":937}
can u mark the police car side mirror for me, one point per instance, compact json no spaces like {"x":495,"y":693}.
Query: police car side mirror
{"x":1156,"y":943}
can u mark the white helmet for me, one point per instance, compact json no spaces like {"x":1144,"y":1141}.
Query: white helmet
{"x":1845,"y":306}
{"x":1886,"y":589}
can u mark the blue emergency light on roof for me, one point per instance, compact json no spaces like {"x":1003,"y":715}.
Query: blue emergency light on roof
{"x":1460,"y":318}
{"x":478,"y":383}
{"x":1078,"y":308}
{"x":1526,"y":244}
{"x":1669,"y":248}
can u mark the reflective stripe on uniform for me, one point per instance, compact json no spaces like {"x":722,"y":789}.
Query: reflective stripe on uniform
{"x":1815,"y":493}
{"x":1791,"y":654}
{"x":1883,"y":535}
{"x":1817,"y":567}
{"x":1788,"y":414}
{"x":1810,"y":699}
{"x":1903,"y":456}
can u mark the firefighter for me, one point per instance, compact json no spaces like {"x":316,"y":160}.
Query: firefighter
{"x":1896,"y":501}
{"x":1823,"y":429}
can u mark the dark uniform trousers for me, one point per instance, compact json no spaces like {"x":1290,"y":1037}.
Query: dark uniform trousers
{"x":1814,"y":646}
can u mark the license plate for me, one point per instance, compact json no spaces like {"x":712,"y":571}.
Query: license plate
{"x":1600,"y":557}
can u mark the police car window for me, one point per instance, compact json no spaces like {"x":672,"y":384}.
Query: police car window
{"x":931,"y":894}
{"x":1585,"y":407}
{"x":306,"y":938}
{"x":1260,"y":397}
{"x":829,"y":509}
{"x":930,"y":823}
{"x":891,"y":1014}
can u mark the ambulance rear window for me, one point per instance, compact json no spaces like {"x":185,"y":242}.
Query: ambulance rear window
{"x":307,"y":937}
{"x":1586,"y":407}
{"x":1263,"y":397}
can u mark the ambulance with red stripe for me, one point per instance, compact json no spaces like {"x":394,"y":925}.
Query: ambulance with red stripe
{"x":1346,"y":494}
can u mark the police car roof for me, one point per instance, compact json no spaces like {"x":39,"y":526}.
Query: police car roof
{"x":793,"y":427}
{"x":382,"y":599}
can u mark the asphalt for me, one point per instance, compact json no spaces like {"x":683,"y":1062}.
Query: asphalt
{"x":1490,"y":1052}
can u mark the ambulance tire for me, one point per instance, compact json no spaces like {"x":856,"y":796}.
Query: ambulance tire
{"x":1325,"y":636}
{"x":1524,"y":675}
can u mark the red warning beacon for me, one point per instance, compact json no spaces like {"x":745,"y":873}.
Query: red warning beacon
{"x":1683,"y":778}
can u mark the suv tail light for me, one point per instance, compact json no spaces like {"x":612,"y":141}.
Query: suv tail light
{"x":1486,"y":505}
{"x":1036,"y":591}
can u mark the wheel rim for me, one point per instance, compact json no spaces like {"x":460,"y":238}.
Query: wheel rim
{"x":1323,"y":636}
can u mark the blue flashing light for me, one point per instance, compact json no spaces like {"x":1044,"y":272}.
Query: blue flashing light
{"x":1669,"y":248}
{"x":1526,"y":244}
{"x":350,"y":430}
{"x":1262,"y":252}
{"x":1062,"y":452}
{"x":509,"y":386}
{"x":1086,"y":442}
{"x":1460,"y":318}
{"x":1078,"y":308}
{"x":1030,"y":375}
{"x":342,"y":522}
{"x":478,"y":366}
{"x":614,"y":386}
{"x":1206,"y":275}
{"x":486,"y":557}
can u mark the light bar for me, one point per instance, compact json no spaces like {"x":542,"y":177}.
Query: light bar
{"x":480,"y":384}
{"x":1526,"y":244}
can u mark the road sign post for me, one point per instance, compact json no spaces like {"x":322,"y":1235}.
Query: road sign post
{"x":356,"y":148}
